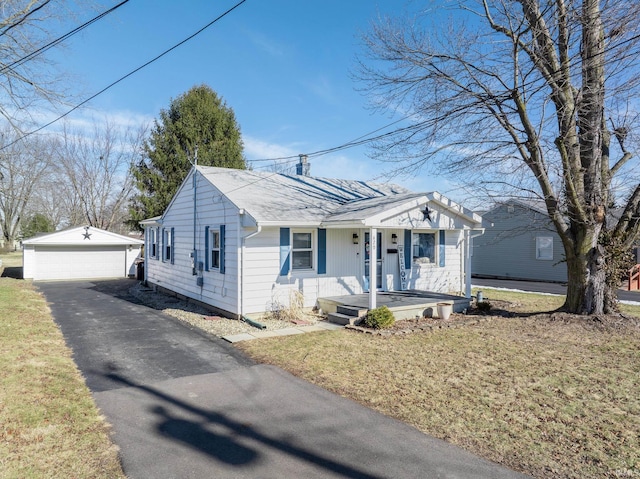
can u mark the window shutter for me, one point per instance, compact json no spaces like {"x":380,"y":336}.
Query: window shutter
{"x":442,"y":248}
{"x":222,"y":235}
{"x":322,"y":251}
{"x":207,"y":253}
{"x":173,"y":250}
{"x":285,"y":251}
{"x":408,"y":253}
{"x":157,"y":255}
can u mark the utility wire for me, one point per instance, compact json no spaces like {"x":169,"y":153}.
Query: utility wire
{"x":58,"y":40}
{"x":24,"y":17}
{"x":157,"y":57}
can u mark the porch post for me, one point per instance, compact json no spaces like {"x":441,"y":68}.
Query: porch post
{"x":467,"y":263}
{"x":373,"y":263}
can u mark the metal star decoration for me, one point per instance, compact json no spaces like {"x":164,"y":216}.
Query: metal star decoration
{"x":86,"y":233}
{"x":427,"y":213}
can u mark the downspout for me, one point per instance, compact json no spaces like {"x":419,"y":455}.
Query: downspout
{"x":467,"y":262}
{"x":242,"y":254}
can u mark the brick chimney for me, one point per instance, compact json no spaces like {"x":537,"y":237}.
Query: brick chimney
{"x":303,"y":167}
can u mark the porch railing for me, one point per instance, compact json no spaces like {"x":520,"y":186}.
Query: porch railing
{"x":634,"y":278}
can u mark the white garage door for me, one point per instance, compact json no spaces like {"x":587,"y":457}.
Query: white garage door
{"x":78,"y":262}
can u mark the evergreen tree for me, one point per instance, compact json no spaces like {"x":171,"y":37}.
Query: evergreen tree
{"x":37,"y":223}
{"x":197,"y":124}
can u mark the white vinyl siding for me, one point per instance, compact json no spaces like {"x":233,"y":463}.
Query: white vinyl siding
{"x":218,"y":290}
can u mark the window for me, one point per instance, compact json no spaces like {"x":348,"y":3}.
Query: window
{"x":215,"y":249}
{"x":302,"y":250}
{"x":544,"y":247}
{"x":167,"y":241}
{"x":424,"y":247}
{"x":153,"y":243}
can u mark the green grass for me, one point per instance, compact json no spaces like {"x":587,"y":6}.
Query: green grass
{"x":49,"y":424}
{"x":550,"y":398}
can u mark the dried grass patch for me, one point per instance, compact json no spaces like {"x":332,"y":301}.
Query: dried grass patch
{"x":49,"y":424}
{"x":548,"y":397}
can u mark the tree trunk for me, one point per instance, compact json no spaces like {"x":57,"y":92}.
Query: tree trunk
{"x":588,"y":291}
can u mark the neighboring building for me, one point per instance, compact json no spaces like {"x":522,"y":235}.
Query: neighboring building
{"x":520,"y":242}
{"x":244,"y":241}
{"x":82,"y":252}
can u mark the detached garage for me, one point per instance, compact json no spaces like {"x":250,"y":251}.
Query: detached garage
{"x":79,"y":253}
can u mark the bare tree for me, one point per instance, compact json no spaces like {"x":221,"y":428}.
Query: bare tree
{"x":97,"y":171}
{"x":22,"y":167}
{"x":29,"y":79}
{"x":523,"y":98}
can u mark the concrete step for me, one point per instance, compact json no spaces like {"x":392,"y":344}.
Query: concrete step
{"x":343,"y":319}
{"x":352,"y":311}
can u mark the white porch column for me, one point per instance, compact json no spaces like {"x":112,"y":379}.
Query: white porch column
{"x":467,"y":264}
{"x":373,"y":267}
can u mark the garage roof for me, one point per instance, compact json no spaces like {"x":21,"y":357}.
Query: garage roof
{"x":82,"y":235}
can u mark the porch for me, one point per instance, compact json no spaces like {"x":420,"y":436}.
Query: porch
{"x":403,"y":304}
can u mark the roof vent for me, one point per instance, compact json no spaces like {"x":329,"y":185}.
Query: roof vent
{"x":303,"y":167}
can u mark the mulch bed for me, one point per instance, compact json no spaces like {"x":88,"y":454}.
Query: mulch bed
{"x":502,"y":309}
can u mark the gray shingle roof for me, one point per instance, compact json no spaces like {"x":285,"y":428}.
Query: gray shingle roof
{"x":278,"y":198}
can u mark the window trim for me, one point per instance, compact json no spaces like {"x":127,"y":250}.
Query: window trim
{"x":152,"y":242}
{"x":168,"y":252}
{"x":436,"y":244}
{"x":539,"y":248}
{"x":313,"y":249}
{"x":212,"y":248}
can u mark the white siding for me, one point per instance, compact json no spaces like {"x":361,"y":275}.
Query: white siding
{"x":447,"y":279}
{"x":28,"y":261}
{"x":219,"y":290}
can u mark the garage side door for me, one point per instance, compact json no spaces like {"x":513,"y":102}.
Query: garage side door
{"x":75,"y":262}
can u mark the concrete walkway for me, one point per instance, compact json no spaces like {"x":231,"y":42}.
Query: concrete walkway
{"x":186,"y":405}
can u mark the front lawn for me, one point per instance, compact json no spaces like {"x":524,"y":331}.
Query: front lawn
{"x":539,"y":393}
{"x":49,"y":424}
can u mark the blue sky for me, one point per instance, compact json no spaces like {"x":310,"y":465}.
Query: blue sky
{"x":283,"y":66}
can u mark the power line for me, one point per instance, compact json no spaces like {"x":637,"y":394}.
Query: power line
{"x":350,"y":144}
{"x":24,"y":17}
{"x":157,"y":57}
{"x":58,"y":40}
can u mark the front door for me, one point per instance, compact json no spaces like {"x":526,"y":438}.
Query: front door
{"x":378,"y":262}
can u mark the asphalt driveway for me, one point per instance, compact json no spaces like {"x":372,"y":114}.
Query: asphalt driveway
{"x":187,"y":405}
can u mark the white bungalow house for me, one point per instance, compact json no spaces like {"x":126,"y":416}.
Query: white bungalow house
{"x":242,"y":241}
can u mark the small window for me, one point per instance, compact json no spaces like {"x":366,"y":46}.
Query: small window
{"x":215,"y":249}
{"x":424,"y":247}
{"x":153,"y":243}
{"x":302,"y":250}
{"x":544,"y":247}
{"x":167,"y":241}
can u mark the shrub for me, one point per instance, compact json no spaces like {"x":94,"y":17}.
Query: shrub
{"x":484,"y":306}
{"x":379,"y":318}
